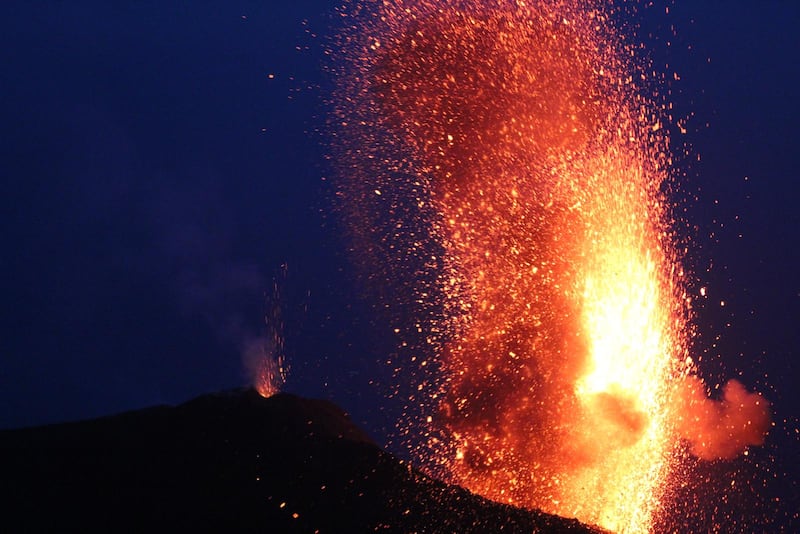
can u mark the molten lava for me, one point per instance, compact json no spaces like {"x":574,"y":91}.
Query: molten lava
{"x":518,"y":141}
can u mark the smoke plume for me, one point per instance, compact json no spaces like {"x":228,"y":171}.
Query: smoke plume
{"x":721,"y":429}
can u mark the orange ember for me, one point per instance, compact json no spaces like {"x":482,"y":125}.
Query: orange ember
{"x":522,"y":134}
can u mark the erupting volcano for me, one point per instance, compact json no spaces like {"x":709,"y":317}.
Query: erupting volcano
{"x":512,"y":160}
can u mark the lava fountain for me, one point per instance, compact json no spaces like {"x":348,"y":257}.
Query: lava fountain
{"x":511,"y":155}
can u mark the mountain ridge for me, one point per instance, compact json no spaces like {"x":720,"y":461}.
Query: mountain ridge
{"x":236,"y":462}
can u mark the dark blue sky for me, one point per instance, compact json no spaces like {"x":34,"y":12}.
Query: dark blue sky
{"x":154,"y":178}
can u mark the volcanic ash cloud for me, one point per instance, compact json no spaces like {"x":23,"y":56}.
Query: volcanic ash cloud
{"x":721,"y":429}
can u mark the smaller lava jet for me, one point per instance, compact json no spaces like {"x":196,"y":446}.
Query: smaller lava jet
{"x":264,"y":357}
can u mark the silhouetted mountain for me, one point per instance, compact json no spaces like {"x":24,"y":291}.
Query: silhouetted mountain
{"x":233,"y":462}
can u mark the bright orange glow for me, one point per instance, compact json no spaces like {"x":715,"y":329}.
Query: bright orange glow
{"x":521,"y":137}
{"x":264,"y":361}
{"x":270,"y":376}
{"x":561,"y":402}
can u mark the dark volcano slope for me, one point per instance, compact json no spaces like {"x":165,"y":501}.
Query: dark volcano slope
{"x":233,"y":462}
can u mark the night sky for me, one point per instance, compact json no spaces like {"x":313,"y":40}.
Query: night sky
{"x":155,"y":177}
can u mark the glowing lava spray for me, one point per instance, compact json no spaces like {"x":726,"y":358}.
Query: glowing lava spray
{"x":509,"y":155}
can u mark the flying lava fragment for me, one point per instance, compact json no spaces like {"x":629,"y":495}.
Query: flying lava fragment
{"x":510,"y":158}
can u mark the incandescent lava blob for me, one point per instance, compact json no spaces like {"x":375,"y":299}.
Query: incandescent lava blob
{"x":511,"y":158}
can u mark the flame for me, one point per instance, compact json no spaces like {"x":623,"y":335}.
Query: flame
{"x":521,"y":137}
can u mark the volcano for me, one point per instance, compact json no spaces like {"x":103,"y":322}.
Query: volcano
{"x":233,"y":462}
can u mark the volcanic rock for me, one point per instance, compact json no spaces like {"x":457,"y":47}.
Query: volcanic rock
{"x":233,"y":462}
